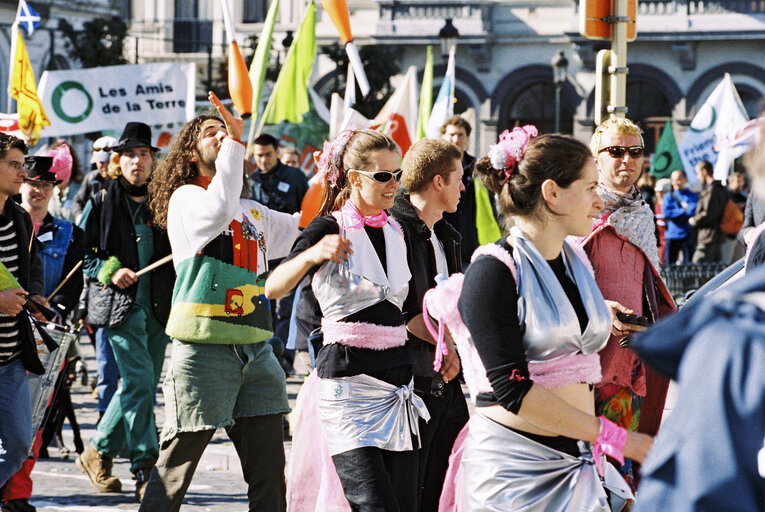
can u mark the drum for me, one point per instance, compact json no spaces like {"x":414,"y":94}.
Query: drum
{"x":42,"y":387}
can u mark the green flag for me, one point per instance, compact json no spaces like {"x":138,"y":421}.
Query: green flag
{"x":667,"y":157}
{"x":289,"y":99}
{"x":259,"y":63}
{"x":426,"y":95}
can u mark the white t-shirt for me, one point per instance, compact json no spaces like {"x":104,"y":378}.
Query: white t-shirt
{"x":438,"y":249}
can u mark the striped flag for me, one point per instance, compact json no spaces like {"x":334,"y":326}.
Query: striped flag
{"x":443,"y":108}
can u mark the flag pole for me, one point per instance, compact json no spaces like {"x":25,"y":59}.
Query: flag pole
{"x":14,"y":35}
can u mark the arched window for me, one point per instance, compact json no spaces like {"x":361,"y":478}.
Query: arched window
{"x":649,"y":107}
{"x":536,"y":105}
{"x":751,"y":98}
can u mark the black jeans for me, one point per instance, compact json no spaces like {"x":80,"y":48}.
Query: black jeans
{"x":376,"y":480}
{"x":259,"y":443}
{"x":448,"y":414}
{"x":686,"y":245}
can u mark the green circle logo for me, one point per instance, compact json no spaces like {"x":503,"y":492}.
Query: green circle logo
{"x":712,"y":116}
{"x":58,"y":94}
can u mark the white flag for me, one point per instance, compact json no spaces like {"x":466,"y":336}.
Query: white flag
{"x":443,"y":107}
{"x":398,"y":117}
{"x":721,"y":115}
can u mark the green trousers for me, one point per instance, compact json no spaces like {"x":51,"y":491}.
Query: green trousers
{"x":139,"y":349}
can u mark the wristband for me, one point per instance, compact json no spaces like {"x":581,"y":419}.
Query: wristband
{"x":237,"y":140}
{"x":610,"y":442}
{"x":107,"y":270}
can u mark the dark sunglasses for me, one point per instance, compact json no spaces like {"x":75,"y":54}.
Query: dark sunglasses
{"x":381,"y":176}
{"x":618,"y":151}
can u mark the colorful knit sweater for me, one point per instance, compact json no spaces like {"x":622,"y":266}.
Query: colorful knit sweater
{"x":221,"y":247}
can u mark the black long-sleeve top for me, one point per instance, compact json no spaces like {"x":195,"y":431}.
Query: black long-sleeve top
{"x":488,"y":305}
{"x":392,"y":365}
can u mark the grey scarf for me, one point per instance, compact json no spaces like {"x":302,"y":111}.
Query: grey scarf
{"x":632,"y":218}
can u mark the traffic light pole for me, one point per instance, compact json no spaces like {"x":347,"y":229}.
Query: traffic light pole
{"x":618,"y":67}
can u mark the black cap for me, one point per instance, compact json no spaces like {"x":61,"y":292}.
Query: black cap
{"x":135,"y":135}
{"x":38,"y":169}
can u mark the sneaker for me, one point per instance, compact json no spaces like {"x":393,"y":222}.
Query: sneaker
{"x":302,"y":363}
{"x":20,"y":505}
{"x":98,"y":467}
{"x":141,"y":479}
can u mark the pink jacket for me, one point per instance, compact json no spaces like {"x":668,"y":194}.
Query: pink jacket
{"x":619,"y":271}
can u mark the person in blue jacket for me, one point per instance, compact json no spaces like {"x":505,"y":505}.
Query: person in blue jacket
{"x":678,"y":207}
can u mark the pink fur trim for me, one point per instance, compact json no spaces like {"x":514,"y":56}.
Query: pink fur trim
{"x":583,"y":256}
{"x":393,"y":222}
{"x":442,"y":304}
{"x":499,"y":253}
{"x":566,"y":370}
{"x":363,"y":335}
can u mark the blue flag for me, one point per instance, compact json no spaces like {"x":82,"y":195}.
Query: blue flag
{"x":27,"y":17}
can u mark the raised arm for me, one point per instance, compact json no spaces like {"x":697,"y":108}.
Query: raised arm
{"x":195,"y":215}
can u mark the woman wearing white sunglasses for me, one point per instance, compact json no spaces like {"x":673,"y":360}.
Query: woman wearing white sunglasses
{"x":357,"y":259}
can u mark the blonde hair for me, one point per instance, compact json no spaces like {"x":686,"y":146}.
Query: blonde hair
{"x":358,"y":153}
{"x":614,"y":126}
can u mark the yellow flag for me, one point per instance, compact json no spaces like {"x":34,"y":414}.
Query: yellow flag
{"x":32,"y":116}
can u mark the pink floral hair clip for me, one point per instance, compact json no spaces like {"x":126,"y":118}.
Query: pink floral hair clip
{"x":331,"y":160}
{"x":510,"y":148}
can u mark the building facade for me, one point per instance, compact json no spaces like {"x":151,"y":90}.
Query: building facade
{"x":504,"y":75}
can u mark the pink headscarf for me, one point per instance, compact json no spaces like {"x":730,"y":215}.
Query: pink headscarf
{"x":62,"y":162}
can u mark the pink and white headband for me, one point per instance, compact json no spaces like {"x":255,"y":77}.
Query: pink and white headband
{"x":510,"y":148}
{"x":331,"y":160}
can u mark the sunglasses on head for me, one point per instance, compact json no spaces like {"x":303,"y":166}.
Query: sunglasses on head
{"x":618,"y":151}
{"x":381,"y":176}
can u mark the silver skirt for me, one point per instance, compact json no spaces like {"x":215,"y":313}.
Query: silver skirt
{"x":505,"y":471}
{"x":363,"y":411}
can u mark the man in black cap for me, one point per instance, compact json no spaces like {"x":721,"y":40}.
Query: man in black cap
{"x":61,"y":250}
{"x":120,"y":240}
{"x":18,"y":349}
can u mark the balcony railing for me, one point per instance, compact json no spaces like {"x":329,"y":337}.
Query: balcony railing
{"x":691,"y":7}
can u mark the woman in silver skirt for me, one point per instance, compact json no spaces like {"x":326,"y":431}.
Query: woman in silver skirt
{"x":536,"y":320}
{"x":356,"y":257}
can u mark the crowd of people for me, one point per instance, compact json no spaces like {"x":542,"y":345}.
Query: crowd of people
{"x":539,"y":263}
{"x":699,"y":223}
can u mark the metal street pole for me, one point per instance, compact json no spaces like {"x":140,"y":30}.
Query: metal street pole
{"x":618,"y":68}
{"x":557,"y":107}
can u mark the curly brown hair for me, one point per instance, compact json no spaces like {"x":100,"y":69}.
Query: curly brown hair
{"x":176,"y":168}
{"x":8,"y":142}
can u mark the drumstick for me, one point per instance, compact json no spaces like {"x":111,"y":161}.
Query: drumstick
{"x":62,"y":283}
{"x":154,"y":265}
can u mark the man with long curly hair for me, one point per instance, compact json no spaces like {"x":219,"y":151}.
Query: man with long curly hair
{"x":222,"y":374}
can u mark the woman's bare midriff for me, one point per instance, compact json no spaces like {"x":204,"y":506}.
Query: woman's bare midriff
{"x":579,"y":395}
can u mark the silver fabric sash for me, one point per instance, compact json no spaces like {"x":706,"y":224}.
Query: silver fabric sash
{"x":363,"y":411}
{"x":552,"y":328}
{"x":505,"y":471}
{"x":360,"y":282}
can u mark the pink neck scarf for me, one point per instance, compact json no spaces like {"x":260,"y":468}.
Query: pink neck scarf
{"x":358,"y":220}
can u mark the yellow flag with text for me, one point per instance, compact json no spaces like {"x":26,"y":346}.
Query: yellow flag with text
{"x":23,"y":88}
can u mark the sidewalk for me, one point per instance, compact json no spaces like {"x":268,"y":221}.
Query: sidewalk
{"x":60,"y":486}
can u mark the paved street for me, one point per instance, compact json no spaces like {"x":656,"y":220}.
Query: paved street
{"x":217,"y":484}
{"x":60,"y":486}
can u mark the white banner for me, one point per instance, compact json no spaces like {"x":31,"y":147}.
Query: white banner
{"x":720,"y":115}
{"x":95,"y":99}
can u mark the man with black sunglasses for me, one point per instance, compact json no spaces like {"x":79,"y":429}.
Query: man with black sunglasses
{"x":624,"y":253}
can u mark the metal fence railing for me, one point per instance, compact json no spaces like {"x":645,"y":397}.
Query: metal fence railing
{"x":680,"y":279}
